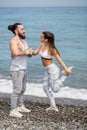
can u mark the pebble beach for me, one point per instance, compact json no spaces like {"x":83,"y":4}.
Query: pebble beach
{"x":69,"y":117}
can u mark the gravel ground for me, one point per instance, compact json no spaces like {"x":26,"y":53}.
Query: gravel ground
{"x":69,"y":117}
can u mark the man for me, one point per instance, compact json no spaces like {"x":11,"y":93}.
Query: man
{"x":19,"y":52}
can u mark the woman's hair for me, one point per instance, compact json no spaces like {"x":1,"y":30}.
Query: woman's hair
{"x":50,"y":37}
{"x":13,"y":27}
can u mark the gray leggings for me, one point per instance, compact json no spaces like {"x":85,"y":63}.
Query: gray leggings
{"x":51,"y":82}
{"x":19,"y":86}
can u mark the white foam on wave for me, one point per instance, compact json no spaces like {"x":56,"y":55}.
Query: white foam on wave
{"x":37,"y":90}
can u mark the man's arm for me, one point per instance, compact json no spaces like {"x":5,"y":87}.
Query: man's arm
{"x":16,"y":50}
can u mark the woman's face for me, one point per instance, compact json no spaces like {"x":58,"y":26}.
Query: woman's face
{"x":42,"y":38}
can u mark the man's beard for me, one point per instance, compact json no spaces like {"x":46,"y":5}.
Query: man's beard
{"x":21,"y":36}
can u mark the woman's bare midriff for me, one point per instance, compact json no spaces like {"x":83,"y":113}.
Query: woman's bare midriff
{"x":46,"y":62}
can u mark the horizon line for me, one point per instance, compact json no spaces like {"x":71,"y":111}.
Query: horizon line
{"x":43,"y":6}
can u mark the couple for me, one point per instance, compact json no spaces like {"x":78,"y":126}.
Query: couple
{"x":19,"y":53}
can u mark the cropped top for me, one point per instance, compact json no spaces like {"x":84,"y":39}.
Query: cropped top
{"x":45,"y":55}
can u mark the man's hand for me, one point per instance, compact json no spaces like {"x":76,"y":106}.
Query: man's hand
{"x":29,"y":52}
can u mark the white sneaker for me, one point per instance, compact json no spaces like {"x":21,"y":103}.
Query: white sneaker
{"x":23,"y":109}
{"x":15,"y":113}
{"x":53,"y":108}
{"x":63,"y":71}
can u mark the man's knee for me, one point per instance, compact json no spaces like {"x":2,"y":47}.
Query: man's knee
{"x":17,"y":91}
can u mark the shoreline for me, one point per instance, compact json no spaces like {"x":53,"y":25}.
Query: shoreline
{"x":59,"y":100}
{"x":69,"y":117}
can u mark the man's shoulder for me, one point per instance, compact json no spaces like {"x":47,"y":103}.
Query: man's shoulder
{"x":13,"y":40}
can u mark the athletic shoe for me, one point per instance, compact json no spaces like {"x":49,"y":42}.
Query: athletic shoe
{"x":63,"y":71}
{"x":23,"y":109}
{"x":52,"y":108}
{"x":15,"y":113}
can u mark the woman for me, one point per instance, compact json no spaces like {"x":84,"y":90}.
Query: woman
{"x":51,"y":81}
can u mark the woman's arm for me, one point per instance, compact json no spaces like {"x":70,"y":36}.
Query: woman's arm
{"x":35,"y":52}
{"x":59,"y":59}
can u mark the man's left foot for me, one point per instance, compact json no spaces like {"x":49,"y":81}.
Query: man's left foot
{"x":23,"y":109}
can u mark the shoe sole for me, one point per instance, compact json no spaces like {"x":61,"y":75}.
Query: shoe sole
{"x":11,"y":115}
{"x":51,"y":109}
{"x":24,"y":111}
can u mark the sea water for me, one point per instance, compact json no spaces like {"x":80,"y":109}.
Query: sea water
{"x":69,"y":25}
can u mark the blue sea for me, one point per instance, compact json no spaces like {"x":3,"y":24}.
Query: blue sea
{"x":69,"y":25}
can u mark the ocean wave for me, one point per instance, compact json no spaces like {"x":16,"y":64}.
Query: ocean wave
{"x":36,"y":89}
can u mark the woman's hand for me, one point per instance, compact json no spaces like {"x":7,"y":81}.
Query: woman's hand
{"x":67,"y":71}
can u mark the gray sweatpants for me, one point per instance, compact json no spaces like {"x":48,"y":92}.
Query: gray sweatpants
{"x":51,"y":82}
{"x":19,"y":86}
